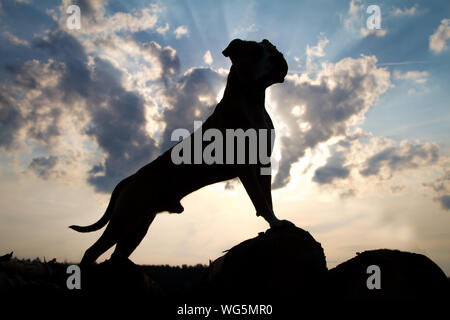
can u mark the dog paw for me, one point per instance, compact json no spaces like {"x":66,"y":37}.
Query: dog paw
{"x":175,"y":208}
{"x":281,"y":224}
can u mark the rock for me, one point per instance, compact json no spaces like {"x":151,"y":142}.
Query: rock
{"x":30,"y":276}
{"x":6,"y":257}
{"x":118,"y":276}
{"x":282,"y":262}
{"x":403,"y":276}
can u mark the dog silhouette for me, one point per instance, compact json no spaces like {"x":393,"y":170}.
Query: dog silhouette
{"x":160,"y":185}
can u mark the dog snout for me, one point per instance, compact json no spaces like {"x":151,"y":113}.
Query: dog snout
{"x":284,"y":67}
{"x":279,"y":63}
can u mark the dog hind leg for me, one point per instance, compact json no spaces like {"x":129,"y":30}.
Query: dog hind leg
{"x":106,"y":241}
{"x":126,"y":245}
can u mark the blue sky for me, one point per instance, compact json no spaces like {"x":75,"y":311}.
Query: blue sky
{"x":362,"y":120}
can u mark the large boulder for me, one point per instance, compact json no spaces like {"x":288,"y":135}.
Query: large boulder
{"x":118,"y":276}
{"x":401,"y":276}
{"x":279,"y":263}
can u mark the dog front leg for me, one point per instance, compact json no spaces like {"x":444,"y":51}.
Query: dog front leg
{"x":265,"y":181}
{"x":258,"y":189}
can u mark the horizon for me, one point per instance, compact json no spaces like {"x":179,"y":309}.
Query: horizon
{"x":362,"y":155}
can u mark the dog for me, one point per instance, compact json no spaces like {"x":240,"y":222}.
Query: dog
{"x":160,"y":185}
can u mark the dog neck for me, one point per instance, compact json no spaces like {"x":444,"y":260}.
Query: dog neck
{"x":253,"y":94}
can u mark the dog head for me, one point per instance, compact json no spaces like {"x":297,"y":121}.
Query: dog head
{"x":257,"y":63}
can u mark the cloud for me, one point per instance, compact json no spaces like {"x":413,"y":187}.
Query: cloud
{"x":438,"y":40}
{"x":317,"y":50}
{"x":353,"y":18}
{"x":441,"y":184}
{"x":11,"y":119}
{"x":328,"y":105}
{"x":417,"y":76}
{"x":355,"y":7}
{"x":252,"y":28}
{"x":119,"y":128}
{"x":406,"y":11}
{"x":357,"y":157}
{"x":95,"y":21}
{"x":334,"y":169}
{"x":313,"y":53}
{"x":91,"y":91}
{"x":298,"y":61}
{"x":207,"y":58}
{"x":163,"y":30}
{"x":15,"y":40}
{"x":181,"y":31}
{"x":141,"y":62}
{"x":91,"y":82}
{"x":445,"y":201}
{"x":355,"y":21}
{"x":42,"y":166}
{"x":192,"y":97}
{"x":167,"y":60}
{"x":28,"y":102}
{"x":243,"y":31}
{"x":373,"y":32}
{"x":407,"y":156}
{"x":441,"y":188}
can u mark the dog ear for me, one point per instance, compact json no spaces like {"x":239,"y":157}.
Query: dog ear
{"x":233,"y":48}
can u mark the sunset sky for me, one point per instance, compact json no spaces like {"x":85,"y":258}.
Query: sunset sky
{"x":362,"y":154}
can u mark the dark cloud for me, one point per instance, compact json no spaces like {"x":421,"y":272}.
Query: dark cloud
{"x":445,"y":201}
{"x":42,"y":166}
{"x":117,"y":120}
{"x":192,"y":97}
{"x":118,"y":128}
{"x":407,"y":156}
{"x":117,"y":116}
{"x":333,"y":169}
{"x":441,"y":187}
{"x":76,"y":81}
{"x":90,"y":8}
{"x":441,"y":184}
{"x":39,"y":115}
{"x":11,"y":120}
{"x":168,"y":59}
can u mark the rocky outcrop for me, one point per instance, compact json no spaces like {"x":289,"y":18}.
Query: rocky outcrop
{"x":6,"y":257}
{"x":282,"y":262}
{"x":118,"y":276}
{"x":401,"y":276}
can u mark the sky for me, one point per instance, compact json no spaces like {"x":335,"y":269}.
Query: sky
{"x":362,"y":154}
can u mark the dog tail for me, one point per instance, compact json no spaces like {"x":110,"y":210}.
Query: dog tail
{"x":109,"y":210}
